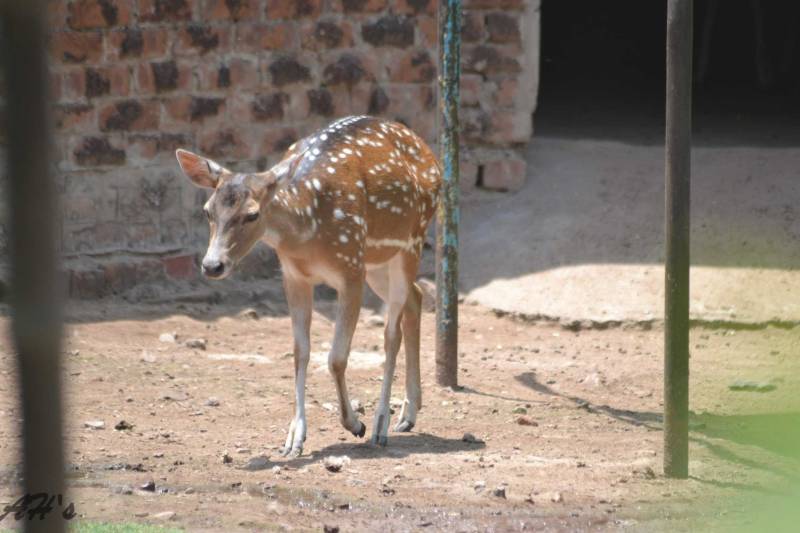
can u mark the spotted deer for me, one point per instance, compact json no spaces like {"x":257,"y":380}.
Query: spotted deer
{"x":350,"y":203}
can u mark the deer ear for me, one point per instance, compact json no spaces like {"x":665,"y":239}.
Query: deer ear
{"x":203,"y":172}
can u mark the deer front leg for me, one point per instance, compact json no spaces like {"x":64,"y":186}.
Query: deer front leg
{"x":350,"y":296}
{"x":299,"y":295}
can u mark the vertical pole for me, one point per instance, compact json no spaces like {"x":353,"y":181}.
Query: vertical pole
{"x":448,"y":212}
{"x":677,"y":177}
{"x":36,"y":306}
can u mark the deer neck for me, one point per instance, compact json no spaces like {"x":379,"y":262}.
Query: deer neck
{"x":290,"y":217}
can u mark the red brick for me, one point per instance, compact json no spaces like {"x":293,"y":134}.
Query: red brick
{"x":73,"y":84}
{"x":358,"y":6}
{"x":75,"y":117}
{"x":417,"y":7}
{"x":503,"y":28}
{"x":471,"y":86}
{"x":195,"y":108}
{"x":472,"y":27}
{"x":180,"y":266}
{"x":225,"y":144}
{"x":129,"y":115}
{"x":196,"y":39}
{"x":235,"y":73}
{"x":136,"y":43}
{"x":416,"y":66}
{"x":91,"y":14}
{"x":149,"y":146}
{"x":506,"y":93}
{"x":493,"y":4}
{"x":506,"y":174}
{"x":164,"y":76}
{"x":166,"y":10}
{"x":490,"y":60}
{"x":277,"y":140}
{"x":113,"y":81}
{"x":258,"y":37}
{"x":294,"y":9}
{"x":76,"y":47}
{"x":429,"y":31}
{"x":326,"y":34}
{"x":56,"y":14}
{"x":97,"y":151}
{"x":234,"y":10}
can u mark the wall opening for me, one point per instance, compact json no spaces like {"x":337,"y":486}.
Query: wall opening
{"x":602,"y":70}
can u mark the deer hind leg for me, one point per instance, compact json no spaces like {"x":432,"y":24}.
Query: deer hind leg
{"x":393,"y":285}
{"x":299,"y":295}
{"x":412,"y":316}
{"x":347,"y":317}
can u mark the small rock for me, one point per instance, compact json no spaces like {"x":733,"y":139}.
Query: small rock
{"x":751,"y":386}
{"x":95,"y":424}
{"x":212,"y":402}
{"x":330,"y":529}
{"x":376,"y":321}
{"x":242,"y":450}
{"x":648,"y":473}
{"x":188,"y":490}
{"x":147,"y":357}
{"x":197,"y":344}
{"x":226,"y":459}
{"x":526,"y":421}
{"x":594,"y":380}
{"x":386,"y":490}
{"x":335,"y":463}
{"x":250,"y":313}
{"x":470,"y":438}
{"x":356,"y":405}
{"x":499,"y":492}
{"x":124,"y":489}
{"x":150,"y":486}
{"x":556,"y":497}
{"x":122,"y":425}
{"x":479,"y":486}
{"x":519,"y":411}
{"x":259,"y":462}
{"x":168,"y":337}
{"x":166,"y":515}
{"x":328,"y":406}
{"x":276,"y":469}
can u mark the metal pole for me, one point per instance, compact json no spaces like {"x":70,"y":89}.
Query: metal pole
{"x":448,"y":212}
{"x":677,"y":177}
{"x":35,"y":294}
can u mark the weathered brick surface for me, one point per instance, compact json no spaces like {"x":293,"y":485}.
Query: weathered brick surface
{"x":241,"y":80}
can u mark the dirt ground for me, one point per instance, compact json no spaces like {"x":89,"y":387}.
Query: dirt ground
{"x":587,"y":455}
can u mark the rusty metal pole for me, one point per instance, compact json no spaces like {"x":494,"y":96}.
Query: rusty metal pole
{"x":677,"y":178}
{"x":35,"y":293}
{"x":448,"y":211}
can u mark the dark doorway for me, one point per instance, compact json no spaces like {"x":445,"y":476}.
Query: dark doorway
{"x":602,"y":70}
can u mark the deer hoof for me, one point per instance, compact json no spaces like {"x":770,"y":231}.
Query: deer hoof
{"x":404,"y":426}
{"x":361,"y":431}
{"x":379,"y":440}
{"x":294,"y":453}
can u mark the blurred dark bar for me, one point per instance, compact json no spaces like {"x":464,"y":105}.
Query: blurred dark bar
{"x":448,"y":212}
{"x":676,"y":304}
{"x":35,"y":294}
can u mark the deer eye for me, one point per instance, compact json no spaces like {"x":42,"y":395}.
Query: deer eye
{"x":251,"y":217}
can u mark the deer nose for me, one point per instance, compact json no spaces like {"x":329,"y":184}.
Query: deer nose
{"x":213,"y":268}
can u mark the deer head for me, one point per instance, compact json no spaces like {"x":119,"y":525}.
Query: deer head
{"x":236,"y":210}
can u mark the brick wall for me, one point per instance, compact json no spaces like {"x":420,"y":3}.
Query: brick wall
{"x":240,"y":80}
